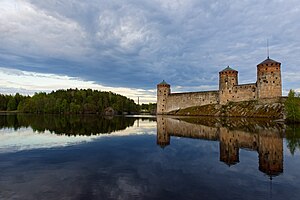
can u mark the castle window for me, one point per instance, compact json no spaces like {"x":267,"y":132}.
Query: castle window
{"x":273,"y":81}
{"x":276,"y":67}
{"x":267,"y":68}
{"x":229,"y":91}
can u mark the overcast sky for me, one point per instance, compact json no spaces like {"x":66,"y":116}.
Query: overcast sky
{"x":128,"y":46}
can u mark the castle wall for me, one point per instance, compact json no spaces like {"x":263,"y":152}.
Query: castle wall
{"x":244,"y":92}
{"x":177,"y":101}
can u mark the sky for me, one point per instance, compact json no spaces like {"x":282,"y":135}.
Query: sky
{"x":128,"y":46}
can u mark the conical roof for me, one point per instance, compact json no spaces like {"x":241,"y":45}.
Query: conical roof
{"x":268,"y":60}
{"x":163,"y":83}
{"x":228,"y":69}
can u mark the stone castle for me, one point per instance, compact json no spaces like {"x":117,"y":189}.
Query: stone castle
{"x":267,"y":86}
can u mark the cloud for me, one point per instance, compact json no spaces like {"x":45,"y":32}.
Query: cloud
{"x":25,"y":82}
{"x":136,"y":44}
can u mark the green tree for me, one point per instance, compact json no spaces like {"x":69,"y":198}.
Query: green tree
{"x":3,"y":102}
{"x":68,"y":101}
{"x":12,"y":104}
{"x":292,"y":106}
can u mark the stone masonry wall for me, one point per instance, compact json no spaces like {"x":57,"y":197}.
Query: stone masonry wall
{"x":269,"y":81}
{"x":178,"y":101}
{"x":244,"y":92}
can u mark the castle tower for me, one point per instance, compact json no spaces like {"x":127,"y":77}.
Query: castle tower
{"x":163,"y":90}
{"x":269,"y":79}
{"x":162,"y":137}
{"x":229,"y":150}
{"x":228,"y":78}
{"x":270,"y":155}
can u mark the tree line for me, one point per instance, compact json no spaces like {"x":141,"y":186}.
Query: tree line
{"x":148,"y":108}
{"x":74,"y":101}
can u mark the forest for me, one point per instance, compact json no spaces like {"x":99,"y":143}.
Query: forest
{"x":73,"y":101}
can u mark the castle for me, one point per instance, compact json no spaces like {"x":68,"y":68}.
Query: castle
{"x":267,"y":86}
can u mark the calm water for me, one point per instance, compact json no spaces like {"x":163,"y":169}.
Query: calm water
{"x":89,"y":157}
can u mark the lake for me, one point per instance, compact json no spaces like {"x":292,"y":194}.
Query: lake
{"x":144,"y":157}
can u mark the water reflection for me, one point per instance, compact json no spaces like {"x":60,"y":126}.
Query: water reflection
{"x":265,"y":137}
{"x":129,"y":165}
{"x":28,"y":132}
{"x":66,"y":124}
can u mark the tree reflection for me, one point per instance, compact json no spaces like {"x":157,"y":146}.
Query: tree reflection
{"x":293,"y":137}
{"x":66,"y":124}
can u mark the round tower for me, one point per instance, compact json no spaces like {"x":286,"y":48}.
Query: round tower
{"x":269,"y":79}
{"x":163,"y":91}
{"x":162,"y":138}
{"x":228,"y":78}
{"x":271,"y":154}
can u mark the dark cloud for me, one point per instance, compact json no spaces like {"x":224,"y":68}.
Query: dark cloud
{"x":137,"y":43}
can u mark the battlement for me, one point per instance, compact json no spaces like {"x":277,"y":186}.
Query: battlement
{"x":191,"y":93}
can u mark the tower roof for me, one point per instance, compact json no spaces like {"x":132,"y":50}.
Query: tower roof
{"x":268,"y":60}
{"x":228,"y":69}
{"x":163,"y":83}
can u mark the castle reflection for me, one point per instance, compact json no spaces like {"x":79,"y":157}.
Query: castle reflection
{"x":264,"y":137}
